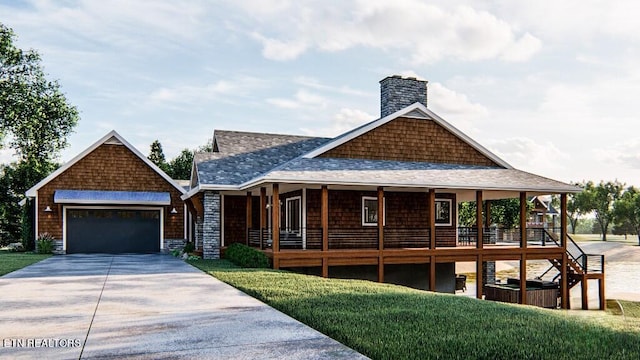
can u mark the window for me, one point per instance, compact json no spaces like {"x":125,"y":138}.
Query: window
{"x":370,"y":211}
{"x":443,"y":212}
{"x":293,"y":214}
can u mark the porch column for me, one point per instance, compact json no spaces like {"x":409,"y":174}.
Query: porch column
{"x":432,"y":239}
{"x":263,"y":214}
{"x":479,"y":245}
{"x":211,"y":225}
{"x":380,"y":234}
{"x":324,"y":218}
{"x":249,"y":224}
{"x":275,"y":225}
{"x":523,"y":247}
{"x":564,"y":283}
{"x":487,"y":214}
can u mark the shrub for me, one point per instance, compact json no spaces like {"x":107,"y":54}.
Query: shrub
{"x":246,"y":256}
{"x":175,"y":252}
{"x":45,"y":243}
{"x":189,"y":247}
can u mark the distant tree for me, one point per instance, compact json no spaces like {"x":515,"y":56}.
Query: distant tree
{"x":36,"y":119}
{"x":577,"y":206}
{"x":626,"y":211}
{"x":156,"y":155}
{"x":600,"y":199}
{"x":505,"y":212}
{"x":180,"y":166}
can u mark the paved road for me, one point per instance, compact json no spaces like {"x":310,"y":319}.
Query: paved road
{"x":145,"y":307}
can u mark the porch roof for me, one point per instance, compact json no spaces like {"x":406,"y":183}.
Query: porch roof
{"x":411,"y":174}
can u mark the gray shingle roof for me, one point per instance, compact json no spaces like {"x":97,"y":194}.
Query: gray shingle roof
{"x":243,"y":156}
{"x":412,"y":174}
{"x":247,"y":158}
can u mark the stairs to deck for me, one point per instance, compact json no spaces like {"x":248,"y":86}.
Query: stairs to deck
{"x":580,"y":265}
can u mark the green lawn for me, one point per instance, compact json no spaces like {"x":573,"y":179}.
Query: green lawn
{"x":392,"y":322}
{"x":12,"y":261}
{"x":631,"y":239}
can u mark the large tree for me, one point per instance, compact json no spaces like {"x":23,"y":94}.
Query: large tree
{"x":35,"y":122}
{"x":34,"y":112}
{"x":600,"y":199}
{"x":505,"y":212}
{"x":180,"y":166}
{"x":626,"y":211}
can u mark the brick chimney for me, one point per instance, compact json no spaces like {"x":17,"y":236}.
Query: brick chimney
{"x":397,"y":93}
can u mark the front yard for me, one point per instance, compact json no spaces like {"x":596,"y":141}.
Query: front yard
{"x":12,"y":261}
{"x":392,"y":322}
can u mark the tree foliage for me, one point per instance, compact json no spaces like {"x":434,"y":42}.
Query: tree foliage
{"x":180,"y":166}
{"x":35,"y":122}
{"x":505,"y":212}
{"x":156,"y":155}
{"x":626,"y":211}
{"x":577,"y":206}
{"x":600,"y":199}
{"x":33,"y":110}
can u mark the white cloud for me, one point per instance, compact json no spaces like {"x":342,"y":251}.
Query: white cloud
{"x":345,"y":120}
{"x":421,"y":33}
{"x":526,"y":153}
{"x":302,"y":99}
{"x":625,"y":153}
{"x":220,"y":90}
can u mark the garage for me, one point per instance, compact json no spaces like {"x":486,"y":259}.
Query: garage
{"x":113,"y":231}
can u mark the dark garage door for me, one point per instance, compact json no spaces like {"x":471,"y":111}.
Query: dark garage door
{"x":113,"y":231}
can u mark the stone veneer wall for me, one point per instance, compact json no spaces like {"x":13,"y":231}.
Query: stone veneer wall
{"x":211,"y":226}
{"x":489,"y":272}
{"x":172,"y":244}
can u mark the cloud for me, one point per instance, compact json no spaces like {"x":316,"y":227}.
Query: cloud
{"x":524,"y":152}
{"x":302,"y":99}
{"x":220,"y":90}
{"x":421,"y":33}
{"x":345,"y":120}
{"x":625,"y":153}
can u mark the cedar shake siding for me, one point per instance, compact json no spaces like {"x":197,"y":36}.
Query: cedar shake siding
{"x":235,"y":219}
{"x":404,"y":210}
{"x":109,"y":167}
{"x":405,"y":139}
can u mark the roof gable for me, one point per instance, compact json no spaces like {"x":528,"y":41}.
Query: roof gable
{"x":112,"y":138}
{"x":414,"y":133}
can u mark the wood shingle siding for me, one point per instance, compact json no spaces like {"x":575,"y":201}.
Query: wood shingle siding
{"x":109,"y":167}
{"x":235,"y":219}
{"x":406,"y":139}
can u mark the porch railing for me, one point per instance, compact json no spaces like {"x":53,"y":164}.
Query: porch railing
{"x":498,"y":235}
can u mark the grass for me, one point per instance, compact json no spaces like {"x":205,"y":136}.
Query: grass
{"x":386,"y":321}
{"x":631,"y":239}
{"x":629,"y":309}
{"x":12,"y":261}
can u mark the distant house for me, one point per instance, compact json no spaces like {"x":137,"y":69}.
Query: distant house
{"x":378,"y":202}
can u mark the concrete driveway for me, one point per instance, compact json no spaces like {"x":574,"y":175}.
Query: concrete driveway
{"x":145,"y":307}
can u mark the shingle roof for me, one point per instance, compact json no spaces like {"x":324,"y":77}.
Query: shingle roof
{"x":412,"y":174}
{"x":243,"y":156}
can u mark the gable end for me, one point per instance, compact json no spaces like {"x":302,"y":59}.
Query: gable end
{"x":411,"y":139}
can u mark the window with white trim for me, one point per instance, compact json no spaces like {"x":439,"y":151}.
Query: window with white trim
{"x":370,"y":211}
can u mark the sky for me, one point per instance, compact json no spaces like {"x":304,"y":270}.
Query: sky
{"x":550,"y":86}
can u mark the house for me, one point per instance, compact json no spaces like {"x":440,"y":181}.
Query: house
{"x":378,"y":202}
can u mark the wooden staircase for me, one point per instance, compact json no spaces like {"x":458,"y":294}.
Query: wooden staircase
{"x":580,"y":268}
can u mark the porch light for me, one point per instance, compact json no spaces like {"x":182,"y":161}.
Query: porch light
{"x":173,"y":211}
{"x":48,"y":209}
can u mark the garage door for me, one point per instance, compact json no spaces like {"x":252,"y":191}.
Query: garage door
{"x":113,"y":231}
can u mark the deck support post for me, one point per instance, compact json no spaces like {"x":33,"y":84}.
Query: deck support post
{"x":523,"y":246}
{"x":380,"y":234}
{"x":249,"y":224}
{"x":479,"y":244}
{"x":432,"y":239}
{"x":601,"y":290}
{"x":263,"y":214}
{"x":584,"y":288}
{"x":564,"y":281}
{"x":324,"y":219}
{"x":275,"y":225}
